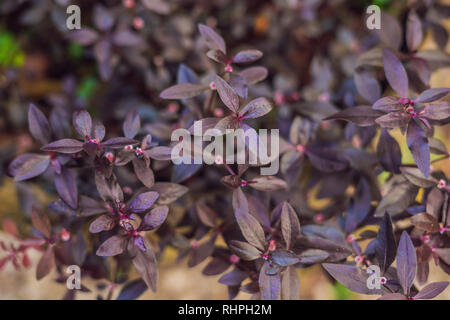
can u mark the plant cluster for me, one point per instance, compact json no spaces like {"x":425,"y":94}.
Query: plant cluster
{"x":120,"y":203}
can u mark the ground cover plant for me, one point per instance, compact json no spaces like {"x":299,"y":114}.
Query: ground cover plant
{"x":89,"y":114}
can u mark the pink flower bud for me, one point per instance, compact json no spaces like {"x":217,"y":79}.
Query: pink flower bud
{"x":194,"y":244}
{"x":173,"y":107}
{"x":350,"y":238}
{"x":318,"y":218}
{"x":265,"y":256}
{"x":65,"y":235}
{"x":128,"y":147}
{"x":383,"y":280}
{"x":138,"y":23}
{"x":109,"y":156}
{"x":403,"y":101}
{"x":127,"y":190}
{"x":443,"y":229}
{"x":442,"y":184}
{"x":359,"y":259}
{"x":244,"y":183}
{"x":228,"y":68}
{"x":139,"y":151}
{"x":324,"y":97}
{"x":409,"y":110}
{"x":218,"y":112}
{"x":279,"y":97}
{"x":128,"y":4}
{"x":212,"y":85}
{"x":272,"y":245}
{"x":234,"y":259}
{"x":300,"y":148}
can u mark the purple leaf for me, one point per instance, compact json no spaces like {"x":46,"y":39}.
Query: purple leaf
{"x":168,"y":192}
{"x":126,"y":38}
{"x":254,"y":75}
{"x":183,"y":91}
{"x":118,"y":143}
{"x":143,"y":172}
{"x":112,"y":246}
{"x":256,"y":108}
{"x":385,"y":246}
{"x":154,"y":218}
{"x":425,"y":222}
{"x":284,"y":258}
{"x":38,"y":124}
{"x":103,"y":223}
{"x":158,"y":6}
{"x":132,"y":290}
{"x":40,"y":221}
{"x":227,"y":94}
{"x":406,"y":262}
{"x":205,"y":214}
{"x":146,"y":265}
{"x":217,"y":56}
{"x":67,"y":187}
{"x":245,"y":56}
{"x":395,"y":73}
{"x":327,"y":160}
{"x":244,"y":250}
{"x":361,"y":115}
{"x":431,"y":95}
{"x":388,"y":152}
{"x":82,"y":122}
{"x":270,"y":286}
{"x":143,"y":202}
{"x":33,"y":165}
{"x":416,"y":177}
{"x":159,"y":153}
{"x":359,"y":206}
{"x":394,"y":120}
{"x":103,"y":18}
{"x":46,"y":263}
{"x":290,"y":225}
{"x":437,"y":111}
{"x":368,"y":86}
{"x":351,"y":277}
{"x":239,"y":85}
{"x":391,"y":30}
{"x":232,"y":278}
{"x":250,"y":227}
{"x":84,"y":36}
{"x":414,"y":34}
{"x":64,"y":146}
{"x":132,"y":124}
{"x":213,"y":40}
{"x":417,"y":141}
{"x":388,"y":104}
{"x":290,"y":285}
{"x":432,"y":290}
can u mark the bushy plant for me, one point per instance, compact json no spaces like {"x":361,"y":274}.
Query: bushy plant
{"x":115,"y":187}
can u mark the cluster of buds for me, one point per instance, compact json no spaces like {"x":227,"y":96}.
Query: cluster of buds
{"x":410,"y":110}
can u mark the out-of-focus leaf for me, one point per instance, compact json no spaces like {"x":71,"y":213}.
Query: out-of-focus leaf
{"x":395,"y":73}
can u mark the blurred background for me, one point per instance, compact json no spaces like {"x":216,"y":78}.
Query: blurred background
{"x":39,"y":64}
